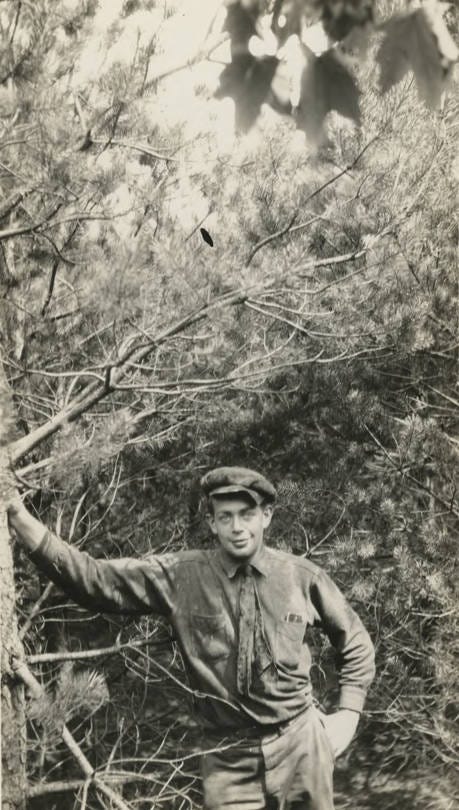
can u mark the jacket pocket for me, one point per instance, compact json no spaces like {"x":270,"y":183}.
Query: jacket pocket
{"x":289,"y":640}
{"x":209,"y":636}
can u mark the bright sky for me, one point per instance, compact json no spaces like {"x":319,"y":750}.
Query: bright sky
{"x":114,"y":39}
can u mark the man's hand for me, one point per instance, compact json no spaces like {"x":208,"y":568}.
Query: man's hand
{"x":29,"y":530}
{"x":340,"y":728}
{"x":15,"y":506}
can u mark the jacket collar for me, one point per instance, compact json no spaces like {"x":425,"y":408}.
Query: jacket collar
{"x":230,"y":566}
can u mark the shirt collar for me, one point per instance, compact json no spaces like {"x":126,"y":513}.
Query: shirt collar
{"x":259,"y":562}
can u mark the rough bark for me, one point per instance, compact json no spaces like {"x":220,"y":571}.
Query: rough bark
{"x":13,"y":726}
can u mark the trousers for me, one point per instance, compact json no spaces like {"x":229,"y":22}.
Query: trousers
{"x":290,"y":769}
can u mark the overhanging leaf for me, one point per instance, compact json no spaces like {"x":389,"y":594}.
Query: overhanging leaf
{"x":420,"y":42}
{"x":326,"y":85}
{"x":287,"y":19}
{"x":339,"y":17}
{"x":241,"y":24}
{"x":247,"y":79}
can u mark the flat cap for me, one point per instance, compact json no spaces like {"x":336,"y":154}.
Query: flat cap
{"x":238,"y":479}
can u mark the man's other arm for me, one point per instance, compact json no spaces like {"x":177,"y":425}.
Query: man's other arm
{"x":113,"y":586}
{"x":355,"y":658}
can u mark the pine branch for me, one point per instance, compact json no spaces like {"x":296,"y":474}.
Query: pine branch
{"x":290,"y":227}
{"x":449,"y":505}
{"x":23,"y":672}
{"x":278,"y":234}
{"x":233,"y":380}
{"x":80,"y":216}
{"x":115,"y":371}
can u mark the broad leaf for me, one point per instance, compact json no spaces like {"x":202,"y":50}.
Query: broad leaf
{"x":339,"y":17}
{"x":241,"y":24}
{"x":287,"y":19}
{"x":420,"y":42}
{"x":247,"y":79}
{"x":326,"y":85}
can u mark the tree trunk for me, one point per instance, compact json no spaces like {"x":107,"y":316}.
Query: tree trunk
{"x":13,"y":725}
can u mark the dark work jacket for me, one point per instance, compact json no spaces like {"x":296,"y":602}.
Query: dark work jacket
{"x":198,"y":593}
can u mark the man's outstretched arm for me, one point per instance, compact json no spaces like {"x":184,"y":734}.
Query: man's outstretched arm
{"x":113,"y":586}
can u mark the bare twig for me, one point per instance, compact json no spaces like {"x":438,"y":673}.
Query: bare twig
{"x":35,"y":610}
{"x":176,"y":67}
{"x":143,"y":148}
{"x":327,"y":535}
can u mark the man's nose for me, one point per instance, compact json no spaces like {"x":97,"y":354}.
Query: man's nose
{"x":237,"y":525}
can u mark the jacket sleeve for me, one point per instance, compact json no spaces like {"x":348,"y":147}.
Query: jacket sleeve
{"x":128,"y":585}
{"x":354,"y":648}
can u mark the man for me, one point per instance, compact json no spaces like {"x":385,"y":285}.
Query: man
{"x":241,"y":615}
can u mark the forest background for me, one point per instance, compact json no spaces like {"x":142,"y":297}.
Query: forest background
{"x":315,"y":339}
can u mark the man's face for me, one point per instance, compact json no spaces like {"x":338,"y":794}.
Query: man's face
{"x":239,"y":525}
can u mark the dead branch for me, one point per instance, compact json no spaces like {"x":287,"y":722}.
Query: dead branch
{"x":35,"y":610}
{"x":143,"y":148}
{"x":83,"y":655}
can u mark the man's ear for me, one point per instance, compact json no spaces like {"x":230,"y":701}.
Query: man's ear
{"x":267,"y":515}
{"x":211,"y":521}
